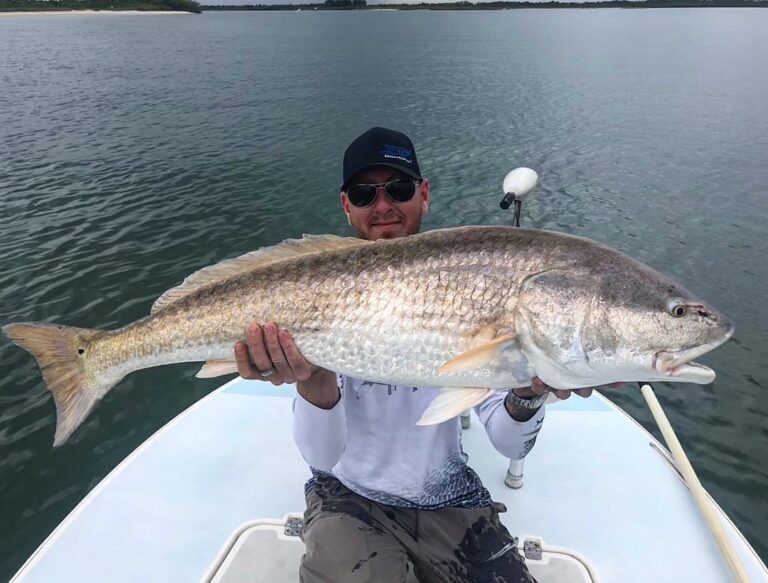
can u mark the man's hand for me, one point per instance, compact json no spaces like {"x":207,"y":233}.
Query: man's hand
{"x":271,"y":350}
{"x":538,"y":387}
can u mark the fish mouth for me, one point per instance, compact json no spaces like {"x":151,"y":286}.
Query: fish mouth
{"x":679,"y":365}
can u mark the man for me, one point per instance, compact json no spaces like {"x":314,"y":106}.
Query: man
{"x":387,"y":494}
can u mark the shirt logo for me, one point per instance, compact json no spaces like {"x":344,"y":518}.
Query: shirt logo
{"x":370,"y":385}
{"x":398,"y":153}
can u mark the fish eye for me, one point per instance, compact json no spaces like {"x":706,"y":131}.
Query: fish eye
{"x":677,"y":308}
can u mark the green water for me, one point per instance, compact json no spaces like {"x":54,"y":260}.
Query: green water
{"x":134,"y":150}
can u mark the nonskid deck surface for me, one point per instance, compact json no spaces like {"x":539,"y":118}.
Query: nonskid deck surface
{"x":592,"y":483}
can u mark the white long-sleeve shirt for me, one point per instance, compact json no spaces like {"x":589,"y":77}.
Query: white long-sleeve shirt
{"x":370,"y":442}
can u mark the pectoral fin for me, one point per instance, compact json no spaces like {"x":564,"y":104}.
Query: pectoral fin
{"x":477,"y":356}
{"x":217,"y":368}
{"x":452,"y":402}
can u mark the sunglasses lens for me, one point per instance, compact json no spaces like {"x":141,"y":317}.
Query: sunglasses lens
{"x":362,"y":195}
{"x":401,"y":190}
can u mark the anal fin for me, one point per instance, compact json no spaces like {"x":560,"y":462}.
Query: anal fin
{"x":451,"y":403}
{"x":217,"y":368}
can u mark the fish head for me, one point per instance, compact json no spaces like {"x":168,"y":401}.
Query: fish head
{"x":615,"y":320}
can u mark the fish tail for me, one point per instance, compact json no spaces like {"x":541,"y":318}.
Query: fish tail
{"x":62,"y":353}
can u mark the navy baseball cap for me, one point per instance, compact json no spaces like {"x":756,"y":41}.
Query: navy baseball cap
{"x":380,"y":147}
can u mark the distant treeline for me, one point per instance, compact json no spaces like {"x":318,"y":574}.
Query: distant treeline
{"x":37,"y":5}
{"x":361,"y":5}
{"x":343,"y":3}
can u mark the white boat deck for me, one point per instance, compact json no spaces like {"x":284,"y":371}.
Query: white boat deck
{"x":593,"y":483}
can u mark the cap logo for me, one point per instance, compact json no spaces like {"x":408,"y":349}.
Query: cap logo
{"x":398,"y":153}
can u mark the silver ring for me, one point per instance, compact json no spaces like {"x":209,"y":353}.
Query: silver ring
{"x":267,"y":373}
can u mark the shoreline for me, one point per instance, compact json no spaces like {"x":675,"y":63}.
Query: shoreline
{"x":93,"y":12}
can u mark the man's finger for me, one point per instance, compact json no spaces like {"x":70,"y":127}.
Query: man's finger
{"x":584,"y":392}
{"x":244,"y":367}
{"x":276,"y":354}
{"x":300,"y":366}
{"x":538,"y":387}
{"x":257,"y":351}
{"x":561,"y":394}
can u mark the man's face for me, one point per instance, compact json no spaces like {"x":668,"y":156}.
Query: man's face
{"x":385,"y":218}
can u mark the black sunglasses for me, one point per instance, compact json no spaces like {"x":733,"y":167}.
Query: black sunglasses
{"x":363,"y":195}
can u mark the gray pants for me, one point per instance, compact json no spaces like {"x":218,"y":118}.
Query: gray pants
{"x":350,"y":539}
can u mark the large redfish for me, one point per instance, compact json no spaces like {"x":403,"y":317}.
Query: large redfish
{"x":471,"y":309}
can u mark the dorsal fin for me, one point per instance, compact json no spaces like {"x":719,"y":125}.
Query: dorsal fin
{"x":287,"y":249}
